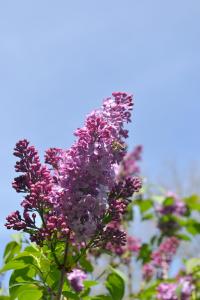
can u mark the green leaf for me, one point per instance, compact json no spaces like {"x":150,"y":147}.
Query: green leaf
{"x":193,"y":202}
{"x":115,"y":285}
{"x":87,"y":266}
{"x":13,"y":265}
{"x":20,"y":277}
{"x":193,"y":227}
{"x":90,"y":283}
{"x":119,"y":273}
{"x":145,"y":205}
{"x":71,"y":295}
{"x":12,"y":249}
{"x":192,"y":264}
{"x":147,"y":217}
{"x":29,"y":292}
{"x":101,"y":297}
{"x":168,"y":201}
{"x":149,"y":293}
{"x":145,"y":253}
{"x":183,"y":237}
{"x":107,"y":218}
{"x":4,"y":298}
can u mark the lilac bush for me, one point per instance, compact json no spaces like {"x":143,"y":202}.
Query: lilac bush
{"x":78,"y":207}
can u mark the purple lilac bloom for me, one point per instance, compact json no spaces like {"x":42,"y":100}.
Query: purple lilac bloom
{"x":36,"y":182}
{"x":86,"y":171}
{"x":76,"y":278}
{"x":81,"y":185}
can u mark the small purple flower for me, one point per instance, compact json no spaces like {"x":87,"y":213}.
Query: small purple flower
{"x":76,"y":278}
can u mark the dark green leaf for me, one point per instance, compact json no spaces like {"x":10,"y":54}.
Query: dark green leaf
{"x":145,"y":253}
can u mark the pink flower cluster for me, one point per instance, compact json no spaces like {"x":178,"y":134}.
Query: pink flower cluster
{"x":161,"y":258}
{"x":174,"y":291}
{"x":81,"y":187}
{"x":165,"y":251}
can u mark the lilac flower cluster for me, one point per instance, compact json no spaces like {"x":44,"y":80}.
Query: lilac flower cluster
{"x":81,"y":188}
{"x":131,"y":245}
{"x":76,"y":278}
{"x":182,"y":289}
{"x":86,"y":172}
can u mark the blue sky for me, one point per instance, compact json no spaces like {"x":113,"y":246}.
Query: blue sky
{"x":58,"y":59}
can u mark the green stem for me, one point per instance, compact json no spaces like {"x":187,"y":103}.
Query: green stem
{"x":54,"y":255}
{"x":62,"y":275}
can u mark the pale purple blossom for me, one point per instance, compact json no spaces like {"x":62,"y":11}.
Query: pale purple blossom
{"x":182,"y":289}
{"x":167,"y":291}
{"x":76,"y":278}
